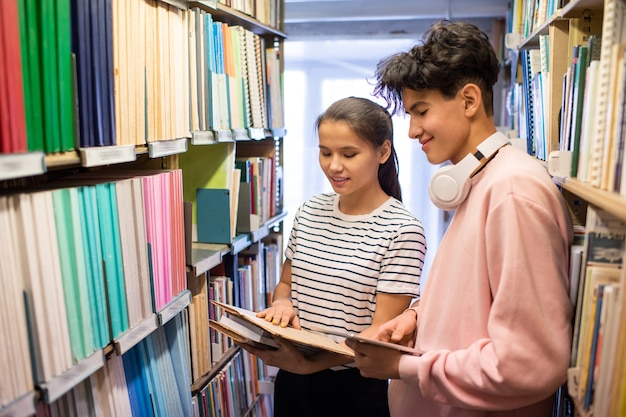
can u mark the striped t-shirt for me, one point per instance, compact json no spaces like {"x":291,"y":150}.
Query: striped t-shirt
{"x":340,"y":262}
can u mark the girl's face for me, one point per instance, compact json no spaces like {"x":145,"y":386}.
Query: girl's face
{"x":349,"y":162}
{"x":440,"y":124}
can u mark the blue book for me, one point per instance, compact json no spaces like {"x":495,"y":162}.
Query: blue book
{"x":150,"y":372}
{"x":594,"y":350}
{"x":136,"y":383}
{"x":165,"y":373}
{"x":176,"y":338}
{"x":81,"y":44}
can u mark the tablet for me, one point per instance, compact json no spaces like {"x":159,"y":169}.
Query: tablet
{"x":361,"y":339}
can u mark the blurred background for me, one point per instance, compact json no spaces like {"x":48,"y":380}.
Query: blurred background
{"x":331,"y":52}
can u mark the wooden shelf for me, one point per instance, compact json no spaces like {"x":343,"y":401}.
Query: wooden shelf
{"x":609,"y":201}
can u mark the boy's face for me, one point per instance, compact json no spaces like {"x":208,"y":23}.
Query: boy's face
{"x":440,"y":124}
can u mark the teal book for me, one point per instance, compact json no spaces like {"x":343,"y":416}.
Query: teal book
{"x":117,"y":250}
{"x":82,"y":284}
{"x":213,"y":215}
{"x":69,"y":272}
{"x":111,"y":254}
{"x":97,"y":291}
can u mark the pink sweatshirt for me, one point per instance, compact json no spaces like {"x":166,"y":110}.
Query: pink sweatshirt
{"x":495,"y":317}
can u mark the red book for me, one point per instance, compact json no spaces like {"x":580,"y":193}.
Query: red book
{"x":12,"y":116}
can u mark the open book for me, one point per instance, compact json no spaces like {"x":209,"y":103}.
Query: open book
{"x":243,"y":326}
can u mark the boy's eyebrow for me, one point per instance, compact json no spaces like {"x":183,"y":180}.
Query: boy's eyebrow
{"x":413,"y":106}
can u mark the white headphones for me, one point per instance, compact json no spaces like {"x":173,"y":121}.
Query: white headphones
{"x":450,"y":185}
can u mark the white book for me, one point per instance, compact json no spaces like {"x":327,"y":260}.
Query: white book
{"x":249,"y":331}
{"x":588,"y":125}
{"x":613,"y":32}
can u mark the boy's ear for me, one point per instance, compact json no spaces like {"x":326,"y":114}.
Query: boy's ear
{"x":473,"y":98}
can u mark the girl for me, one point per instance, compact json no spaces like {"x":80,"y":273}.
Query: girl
{"x":353,"y":261}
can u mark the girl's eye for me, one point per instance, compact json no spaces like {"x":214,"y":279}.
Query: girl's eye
{"x":350,"y":155}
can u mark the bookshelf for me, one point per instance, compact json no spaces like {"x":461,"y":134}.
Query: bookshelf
{"x":587,"y":165}
{"x":99,"y":232}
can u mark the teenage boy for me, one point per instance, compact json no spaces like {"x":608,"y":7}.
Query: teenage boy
{"x":494,"y":320}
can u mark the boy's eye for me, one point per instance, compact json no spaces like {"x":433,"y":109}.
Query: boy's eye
{"x":423,"y":113}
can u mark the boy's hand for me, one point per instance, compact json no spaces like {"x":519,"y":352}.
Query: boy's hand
{"x":400,"y":330}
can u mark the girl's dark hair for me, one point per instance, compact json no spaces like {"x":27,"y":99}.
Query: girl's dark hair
{"x":451,"y":55}
{"x":372,"y":123}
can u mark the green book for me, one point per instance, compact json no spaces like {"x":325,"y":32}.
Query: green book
{"x":65,"y":83}
{"x":50,"y":78}
{"x":31,"y":64}
{"x":68,"y":273}
{"x":578,"y":104}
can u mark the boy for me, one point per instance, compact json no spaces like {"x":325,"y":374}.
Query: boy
{"x":494,"y":320}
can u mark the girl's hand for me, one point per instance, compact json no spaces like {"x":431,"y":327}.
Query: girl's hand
{"x":374,"y":361}
{"x":281,"y":313}
{"x":286,"y":357}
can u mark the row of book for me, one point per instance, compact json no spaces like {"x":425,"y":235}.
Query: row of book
{"x":72,"y":78}
{"x":577,"y":104}
{"x":150,"y":380}
{"x":267,"y":12}
{"x":234,"y":391}
{"x":96,"y":254}
{"x":593,"y":127}
{"x":232,"y":76}
{"x":254,"y":280}
{"x":597,"y":376}
{"x":231,"y":191}
{"x":525,"y":16}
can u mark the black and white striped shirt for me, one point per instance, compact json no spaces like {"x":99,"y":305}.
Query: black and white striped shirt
{"x":340,"y":262}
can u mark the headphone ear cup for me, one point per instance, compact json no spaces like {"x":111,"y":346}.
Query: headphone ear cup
{"x":451,"y":184}
{"x":445,"y":190}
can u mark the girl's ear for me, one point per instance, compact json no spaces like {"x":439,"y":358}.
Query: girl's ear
{"x":385,"y":151}
{"x":473,"y":98}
